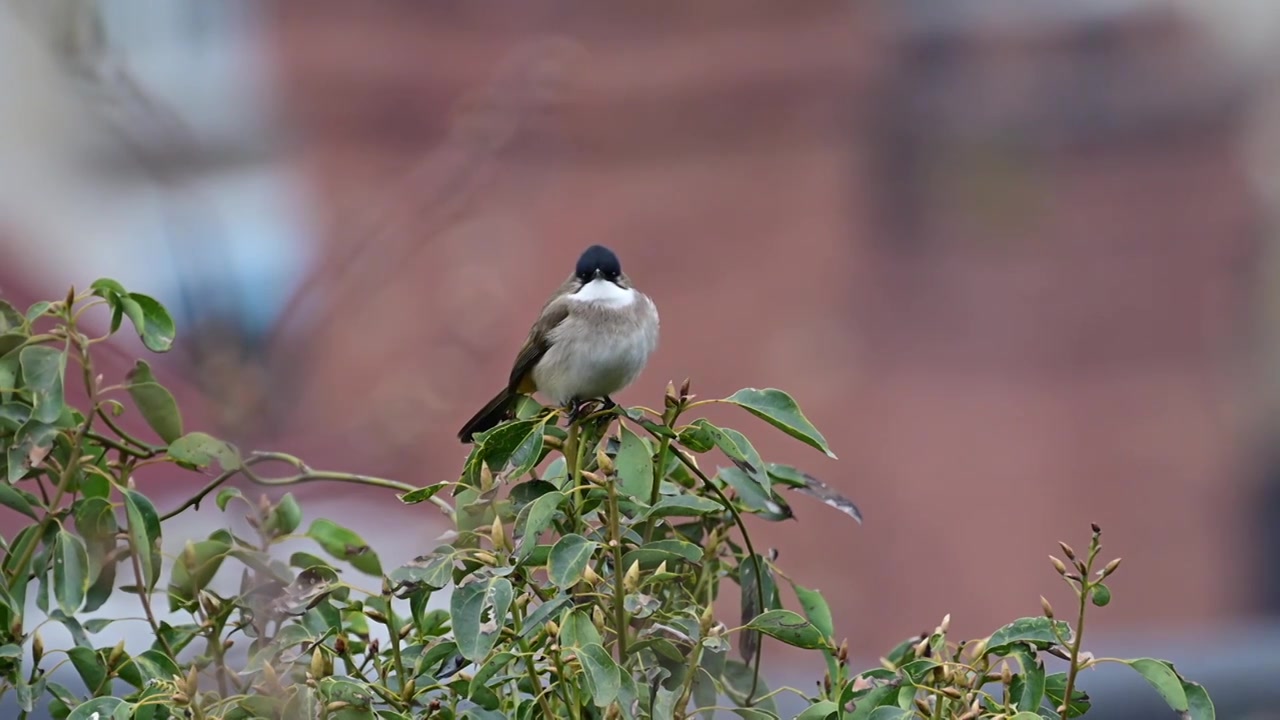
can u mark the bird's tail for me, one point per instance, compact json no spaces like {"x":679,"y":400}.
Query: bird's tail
{"x":493,"y":413}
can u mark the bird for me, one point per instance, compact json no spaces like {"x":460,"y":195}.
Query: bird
{"x":592,"y":338}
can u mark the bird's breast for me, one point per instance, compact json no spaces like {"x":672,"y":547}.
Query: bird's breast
{"x":597,"y":351}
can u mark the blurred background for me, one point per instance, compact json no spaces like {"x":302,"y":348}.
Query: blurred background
{"x":1016,"y":258}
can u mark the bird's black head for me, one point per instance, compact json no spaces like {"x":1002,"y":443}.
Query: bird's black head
{"x":598,"y":261}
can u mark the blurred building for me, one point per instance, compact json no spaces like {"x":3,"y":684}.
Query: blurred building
{"x":1005,"y":255}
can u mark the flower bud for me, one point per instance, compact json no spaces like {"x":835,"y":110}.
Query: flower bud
{"x":486,"y":478}
{"x":37,"y":648}
{"x":1048,"y":609}
{"x":1058,"y":565}
{"x":1066,"y":549}
{"x":317,"y":663}
{"x":684,"y":389}
{"x":114,"y":657}
{"x":591,"y":576}
{"x":631,"y":580}
{"x":1109,"y":568}
{"x":604,"y":462}
{"x":498,"y":535}
{"x":671,"y":399}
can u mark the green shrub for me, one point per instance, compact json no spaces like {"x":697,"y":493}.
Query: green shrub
{"x":582,"y":571}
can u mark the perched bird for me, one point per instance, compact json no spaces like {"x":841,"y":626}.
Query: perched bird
{"x":592,"y":339}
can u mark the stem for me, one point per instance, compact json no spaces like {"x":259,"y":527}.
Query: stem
{"x":619,"y":591}
{"x":305,"y":475}
{"x":574,"y":708}
{"x":393,"y":627}
{"x":530,"y":667}
{"x":659,"y":465}
{"x":746,"y":539}
{"x":573,"y":466}
{"x":121,"y":447}
{"x":1075,"y":645}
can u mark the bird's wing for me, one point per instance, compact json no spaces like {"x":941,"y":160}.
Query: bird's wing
{"x":537,"y":344}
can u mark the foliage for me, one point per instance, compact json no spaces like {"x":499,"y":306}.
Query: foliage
{"x":580,"y":574}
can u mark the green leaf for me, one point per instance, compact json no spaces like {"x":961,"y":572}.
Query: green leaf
{"x":15,"y":499}
{"x":285,"y":517}
{"x":635,"y":466}
{"x":890,"y":713}
{"x":422,"y":494}
{"x":762,"y":502}
{"x":434,"y":571}
{"x":750,"y":713}
{"x":144,"y":535}
{"x":156,"y":327}
{"x":8,"y":342}
{"x":194,"y":569}
{"x":569,"y":559}
{"x":602,"y":674}
{"x":883,"y":696}
{"x":43,"y":369}
{"x":226,"y":495}
{"x":534,"y":519}
{"x":104,"y":287}
{"x":37,"y":310}
{"x":10,"y":651}
{"x":9,"y":365}
{"x":816,"y":611}
{"x":155,"y":403}
{"x":478,"y":611}
{"x":755,"y":586}
{"x":1055,"y":688}
{"x":658,"y":551}
{"x":779,"y":410}
{"x":10,"y":318}
{"x":577,"y":630}
{"x":1174,"y":689}
{"x":512,"y":441}
{"x":820,"y":710}
{"x":344,"y":544}
{"x":90,"y":665}
{"x":684,"y":506}
{"x":99,"y":708}
{"x":788,"y":627}
{"x":1036,"y":631}
{"x":31,"y":445}
{"x":70,"y":572}
{"x":479,"y":691}
{"x":201,"y":450}
{"x":1100,"y":595}
{"x":1031,"y":691}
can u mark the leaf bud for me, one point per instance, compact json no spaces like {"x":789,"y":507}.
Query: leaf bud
{"x":1066,"y":549}
{"x":1109,"y":568}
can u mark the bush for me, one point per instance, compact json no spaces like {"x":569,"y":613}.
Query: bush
{"x":583,"y":568}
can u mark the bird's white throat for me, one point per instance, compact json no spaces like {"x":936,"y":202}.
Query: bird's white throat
{"x":606,"y":293}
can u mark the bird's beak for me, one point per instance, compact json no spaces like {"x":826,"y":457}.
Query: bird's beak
{"x":598,"y":274}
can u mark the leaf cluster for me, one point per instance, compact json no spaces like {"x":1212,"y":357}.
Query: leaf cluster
{"x":578,"y":580}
